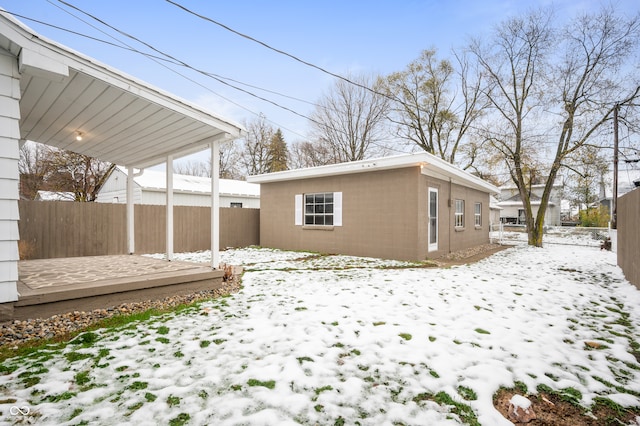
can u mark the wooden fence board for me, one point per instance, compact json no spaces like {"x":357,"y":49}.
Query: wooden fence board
{"x":51,"y":229}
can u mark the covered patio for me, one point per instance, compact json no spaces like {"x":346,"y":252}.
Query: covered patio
{"x":53,"y":95}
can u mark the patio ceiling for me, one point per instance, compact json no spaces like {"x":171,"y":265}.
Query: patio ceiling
{"x":121,"y":119}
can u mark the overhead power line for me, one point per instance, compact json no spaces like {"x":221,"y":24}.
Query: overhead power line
{"x":282,"y":52}
{"x":169,"y":59}
{"x":184,"y":64}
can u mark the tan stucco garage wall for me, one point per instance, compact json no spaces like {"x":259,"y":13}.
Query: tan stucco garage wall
{"x":380,"y":214}
{"x":384,"y":215}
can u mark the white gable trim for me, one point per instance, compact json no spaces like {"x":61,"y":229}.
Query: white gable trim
{"x":429,"y":164}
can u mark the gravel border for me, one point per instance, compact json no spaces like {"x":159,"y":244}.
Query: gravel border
{"x":16,"y":332}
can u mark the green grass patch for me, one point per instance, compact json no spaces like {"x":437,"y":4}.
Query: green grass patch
{"x":467,"y":393}
{"x":378,"y":323}
{"x":318,"y":391}
{"x":75,"y":413}
{"x":150,"y":397}
{"x":482,"y":331}
{"x":269,"y":384}
{"x":163,"y":340}
{"x":205,"y":343}
{"x":86,"y":340}
{"x":82,"y":378}
{"x":463,"y":411}
{"x":173,"y":400}
{"x":65,"y":396}
{"x":76,"y":356}
{"x":304,"y":358}
{"x":30,"y":381}
{"x":136,"y":386}
{"x":405,"y":336}
{"x":182,"y":419}
{"x":134,"y":407}
{"x":163,"y":330}
{"x":219,"y":341}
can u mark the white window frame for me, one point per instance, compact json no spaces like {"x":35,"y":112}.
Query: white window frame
{"x":300,"y":210}
{"x":432,"y":220}
{"x":477,"y":214}
{"x":459,"y":214}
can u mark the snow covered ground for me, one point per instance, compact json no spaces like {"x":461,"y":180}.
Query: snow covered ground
{"x":316,"y":339}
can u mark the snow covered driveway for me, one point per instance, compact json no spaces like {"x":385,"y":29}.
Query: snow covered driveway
{"x":343,"y":340}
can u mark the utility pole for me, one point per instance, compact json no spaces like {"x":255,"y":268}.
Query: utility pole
{"x":614,"y":199}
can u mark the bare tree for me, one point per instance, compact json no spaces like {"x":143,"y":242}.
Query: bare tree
{"x":568,"y":80}
{"x":34,"y":168}
{"x":229,"y":164}
{"x":588,"y":174}
{"x":255,"y":156}
{"x":77,"y":173}
{"x":311,"y":154}
{"x":350,"y":119}
{"x":435,"y":103}
{"x":193,"y":168}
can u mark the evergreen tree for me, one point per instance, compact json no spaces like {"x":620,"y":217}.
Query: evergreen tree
{"x":278,"y":153}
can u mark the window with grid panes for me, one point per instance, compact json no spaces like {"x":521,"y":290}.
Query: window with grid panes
{"x":459,"y":214}
{"x":318,"y":209}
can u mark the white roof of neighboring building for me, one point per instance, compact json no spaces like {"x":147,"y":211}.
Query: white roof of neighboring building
{"x":493,"y":203}
{"x":430,"y":164}
{"x":156,"y":180}
{"x":55,"y":196}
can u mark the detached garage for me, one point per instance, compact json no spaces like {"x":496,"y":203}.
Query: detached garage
{"x":408,"y":207}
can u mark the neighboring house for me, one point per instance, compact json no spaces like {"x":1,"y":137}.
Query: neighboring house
{"x":151,"y":188}
{"x":495,"y":209}
{"x":55,"y":196}
{"x":513,"y":208}
{"x":408,"y":207}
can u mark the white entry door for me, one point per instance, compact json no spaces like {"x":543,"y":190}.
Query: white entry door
{"x":433,"y":219}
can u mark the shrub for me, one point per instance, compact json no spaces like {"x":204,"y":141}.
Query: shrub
{"x":594,"y":217}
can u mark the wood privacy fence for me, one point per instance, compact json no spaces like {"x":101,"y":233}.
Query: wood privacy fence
{"x":50,"y":229}
{"x":629,"y":235}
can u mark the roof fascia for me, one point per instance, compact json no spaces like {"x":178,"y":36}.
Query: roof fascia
{"x":430,"y":165}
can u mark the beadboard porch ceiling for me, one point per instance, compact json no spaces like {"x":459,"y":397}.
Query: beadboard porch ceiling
{"x":120,"y":119}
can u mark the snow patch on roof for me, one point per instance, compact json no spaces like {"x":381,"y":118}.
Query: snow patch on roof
{"x":152,"y":179}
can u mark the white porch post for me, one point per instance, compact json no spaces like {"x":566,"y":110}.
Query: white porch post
{"x":169,"y":207}
{"x":9,"y":177}
{"x":215,"y":204}
{"x":130,"y":213}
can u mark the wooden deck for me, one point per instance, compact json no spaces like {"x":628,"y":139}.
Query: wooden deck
{"x":53,"y":286}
